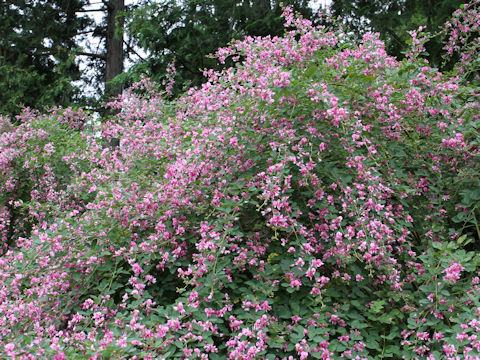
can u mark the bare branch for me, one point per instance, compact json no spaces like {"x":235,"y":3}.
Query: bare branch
{"x":85,"y":32}
{"x":92,"y":55}
{"x":90,"y":10}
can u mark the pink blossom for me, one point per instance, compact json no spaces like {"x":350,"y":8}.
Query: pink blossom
{"x":453,"y":272}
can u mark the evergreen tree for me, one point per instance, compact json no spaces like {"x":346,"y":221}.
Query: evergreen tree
{"x":40,"y":49}
{"x":37,"y":40}
{"x":114,"y":56}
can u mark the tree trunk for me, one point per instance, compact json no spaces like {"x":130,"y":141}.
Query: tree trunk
{"x":115,"y":56}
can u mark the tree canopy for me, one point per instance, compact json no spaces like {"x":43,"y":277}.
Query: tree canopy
{"x":42,"y":42}
{"x":40,"y":49}
{"x":36,"y":44}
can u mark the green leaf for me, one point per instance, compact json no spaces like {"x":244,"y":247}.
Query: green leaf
{"x":356,"y":324}
{"x":377,"y":306}
{"x":372,"y":344}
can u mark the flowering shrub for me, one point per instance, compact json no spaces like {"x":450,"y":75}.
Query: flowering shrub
{"x":33,"y":169}
{"x":462,"y":38}
{"x":319,"y":200}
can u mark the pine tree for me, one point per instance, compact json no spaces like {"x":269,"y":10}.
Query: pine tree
{"x":40,"y":52}
{"x":36,"y":53}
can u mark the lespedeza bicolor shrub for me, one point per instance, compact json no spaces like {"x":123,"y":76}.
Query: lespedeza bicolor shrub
{"x":318,"y":200}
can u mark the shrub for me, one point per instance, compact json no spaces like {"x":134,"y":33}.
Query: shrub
{"x":316,"y":201}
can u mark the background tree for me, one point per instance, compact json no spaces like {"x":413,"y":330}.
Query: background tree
{"x":43,"y":43}
{"x":46,"y":47}
{"x":105,"y":55}
{"x":37,"y":66}
{"x":394,"y":18}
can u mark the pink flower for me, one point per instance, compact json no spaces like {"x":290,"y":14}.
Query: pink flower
{"x":453,"y":272}
{"x":9,"y":349}
{"x":449,"y":349}
{"x":49,"y":149}
{"x":122,"y":342}
{"x":59,"y":356}
{"x":462,"y":336}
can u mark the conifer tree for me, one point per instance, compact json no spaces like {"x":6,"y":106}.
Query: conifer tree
{"x":42,"y":46}
{"x":37,"y":40}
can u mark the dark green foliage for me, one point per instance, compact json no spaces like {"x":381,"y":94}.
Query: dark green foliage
{"x":36,"y":44}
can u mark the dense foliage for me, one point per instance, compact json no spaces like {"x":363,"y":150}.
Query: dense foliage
{"x":36,"y":53}
{"x":317,"y":200}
